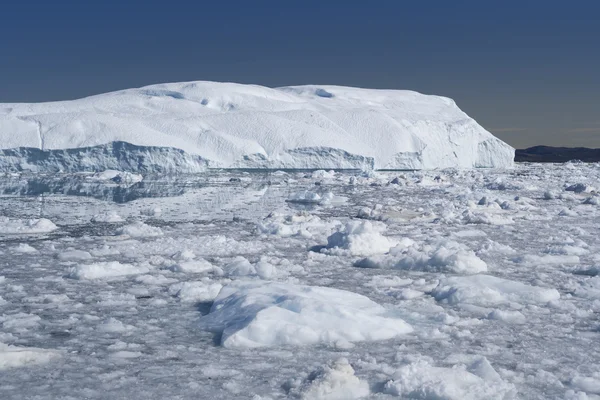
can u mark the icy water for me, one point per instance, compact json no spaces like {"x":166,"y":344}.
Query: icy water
{"x":106,"y":292}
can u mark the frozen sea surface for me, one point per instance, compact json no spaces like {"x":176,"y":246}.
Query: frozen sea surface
{"x":450,"y":284}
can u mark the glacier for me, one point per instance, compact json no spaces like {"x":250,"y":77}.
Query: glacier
{"x":192,"y":126}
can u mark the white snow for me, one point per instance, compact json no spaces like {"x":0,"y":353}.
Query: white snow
{"x":250,"y":314}
{"x":250,"y":126}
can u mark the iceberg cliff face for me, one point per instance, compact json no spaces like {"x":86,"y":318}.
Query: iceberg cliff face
{"x":120,"y":156}
{"x":227,"y":125}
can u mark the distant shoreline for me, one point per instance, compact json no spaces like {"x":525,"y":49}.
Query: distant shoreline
{"x":557,"y":154}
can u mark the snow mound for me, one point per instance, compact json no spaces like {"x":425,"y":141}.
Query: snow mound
{"x":360,"y":238}
{"x":254,"y":314}
{"x":30,"y":226}
{"x":420,"y":380}
{"x":486,"y":290}
{"x":15,"y":356}
{"x":334,"y":382}
{"x":246,"y":126}
{"x":444,"y":256}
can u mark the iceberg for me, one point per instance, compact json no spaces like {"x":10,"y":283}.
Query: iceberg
{"x":192,"y":126}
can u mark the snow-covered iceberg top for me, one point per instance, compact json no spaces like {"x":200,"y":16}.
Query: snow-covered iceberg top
{"x":247,"y":126}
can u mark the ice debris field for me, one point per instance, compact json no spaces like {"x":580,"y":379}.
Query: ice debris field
{"x":192,"y":126}
{"x":449,"y":284}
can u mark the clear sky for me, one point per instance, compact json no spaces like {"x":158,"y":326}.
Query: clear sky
{"x":528,"y":71}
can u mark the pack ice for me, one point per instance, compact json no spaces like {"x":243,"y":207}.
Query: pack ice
{"x":187,"y":127}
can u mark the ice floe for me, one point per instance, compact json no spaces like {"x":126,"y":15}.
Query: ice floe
{"x":487,"y":290}
{"x":25,"y":226}
{"x":17,"y":356}
{"x":108,"y":269}
{"x":360,"y":238}
{"x":249,"y":314}
{"x":444,"y":256}
{"x":421,"y":380}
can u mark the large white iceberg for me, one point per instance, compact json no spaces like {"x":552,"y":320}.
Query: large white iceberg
{"x":194,"y":125}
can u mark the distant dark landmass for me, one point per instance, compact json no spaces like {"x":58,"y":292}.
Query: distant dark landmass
{"x":557,"y":154}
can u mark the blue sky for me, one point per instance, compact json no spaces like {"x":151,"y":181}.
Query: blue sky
{"x":529,"y":71}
